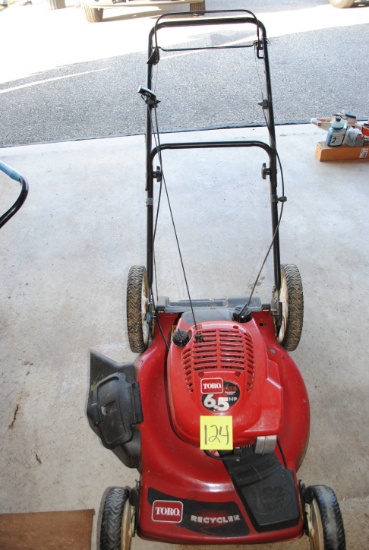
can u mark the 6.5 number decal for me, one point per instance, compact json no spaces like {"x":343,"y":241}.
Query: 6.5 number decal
{"x":221,"y":402}
{"x":215,"y":403}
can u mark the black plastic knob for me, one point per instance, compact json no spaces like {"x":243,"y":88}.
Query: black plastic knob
{"x":181,"y":338}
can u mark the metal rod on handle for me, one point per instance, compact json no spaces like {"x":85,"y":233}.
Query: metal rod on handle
{"x":13,"y":174}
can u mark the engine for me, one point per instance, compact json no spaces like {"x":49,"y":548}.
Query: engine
{"x":221,"y":367}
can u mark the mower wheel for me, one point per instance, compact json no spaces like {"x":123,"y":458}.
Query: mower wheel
{"x":291,"y":298}
{"x":117,"y":524}
{"x":137,"y":308}
{"x":324,"y":520}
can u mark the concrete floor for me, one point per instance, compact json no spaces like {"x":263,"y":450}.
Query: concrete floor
{"x":65,"y":258}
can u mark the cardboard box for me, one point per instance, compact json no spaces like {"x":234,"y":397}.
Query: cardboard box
{"x":325,"y":153}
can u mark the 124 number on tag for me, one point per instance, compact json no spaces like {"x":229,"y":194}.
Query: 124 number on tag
{"x":216,"y":433}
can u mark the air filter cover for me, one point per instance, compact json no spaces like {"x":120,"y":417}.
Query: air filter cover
{"x":223,"y":369}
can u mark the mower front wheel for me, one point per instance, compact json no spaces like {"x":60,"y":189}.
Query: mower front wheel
{"x":323,"y":518}
{"x":137,"y":309}
{"x":291,"y":300}
{"x":117,"y":524}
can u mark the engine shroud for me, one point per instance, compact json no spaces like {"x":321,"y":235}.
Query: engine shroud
{"x":224,"y":369}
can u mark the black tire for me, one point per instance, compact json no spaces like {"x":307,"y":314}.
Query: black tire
{"x":342,"y":3}
{"x":93,"y":15}
{"x":291,"y":298}
{"x":116,"y":524}
{"x":137,"y":307}
{"x":197,"y":6}
{"x":324,"y":520}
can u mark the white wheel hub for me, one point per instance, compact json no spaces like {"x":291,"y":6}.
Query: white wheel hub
{"x":315,"y":526}
{"x":144,"y":310}
{"x":128,"y":526}
{"x":283,"y":299}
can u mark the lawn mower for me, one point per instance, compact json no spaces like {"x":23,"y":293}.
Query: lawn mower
{"x":214,"y":413}
{"x":13,"y":174}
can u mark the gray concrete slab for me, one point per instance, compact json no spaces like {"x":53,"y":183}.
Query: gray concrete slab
{"x":65,"y":258}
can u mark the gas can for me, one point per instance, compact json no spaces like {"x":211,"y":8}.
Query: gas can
{"x":336,"y":132}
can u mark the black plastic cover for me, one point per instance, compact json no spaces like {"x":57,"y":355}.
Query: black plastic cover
{"x":267,"y":490}
{"x":115,"y":408}
{"x":114,"y":404}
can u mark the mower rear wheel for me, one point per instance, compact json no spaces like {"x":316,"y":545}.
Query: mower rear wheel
{"x":137,"y":309}
{"x":324,"y":520}
{"x":117,"y":524}
{"x":291,"y":298}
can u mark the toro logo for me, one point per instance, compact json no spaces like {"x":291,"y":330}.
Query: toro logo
{"x":212,"y":385}
{"x":167,"y":511}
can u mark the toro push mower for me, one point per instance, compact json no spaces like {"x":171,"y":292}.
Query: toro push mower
{"x":214,"y":413}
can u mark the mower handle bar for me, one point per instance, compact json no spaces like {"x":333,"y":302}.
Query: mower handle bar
{"x":230,"y":17}
{"x":272,"y":172}
{"x":14,"y":175}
